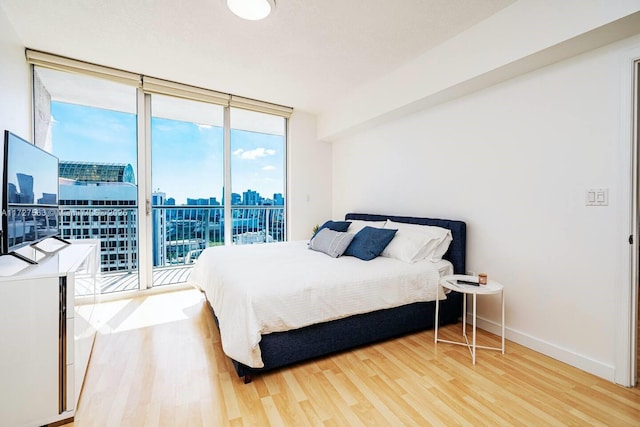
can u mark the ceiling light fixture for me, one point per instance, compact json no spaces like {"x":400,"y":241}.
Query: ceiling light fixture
{"x":253,"y":10}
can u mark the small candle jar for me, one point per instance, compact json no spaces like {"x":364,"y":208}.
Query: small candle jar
{"x":482,"y":278}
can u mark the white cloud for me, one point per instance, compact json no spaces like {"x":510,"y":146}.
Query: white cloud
{"x":254,"y":154}
{"x":268,"y":168}
{"x":201,"y":127}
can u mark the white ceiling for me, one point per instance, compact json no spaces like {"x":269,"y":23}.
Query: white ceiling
{"x":306,"y":55}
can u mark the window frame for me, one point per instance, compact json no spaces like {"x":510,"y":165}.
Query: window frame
{"x":146,"y":86}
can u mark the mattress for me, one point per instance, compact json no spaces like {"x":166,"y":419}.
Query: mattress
{"x":260,"y":289}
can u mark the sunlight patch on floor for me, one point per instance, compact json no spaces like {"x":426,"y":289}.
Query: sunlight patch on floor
{"x":143,"y":312}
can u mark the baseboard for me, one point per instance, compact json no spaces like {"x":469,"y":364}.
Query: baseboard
{"x":569,"y":357}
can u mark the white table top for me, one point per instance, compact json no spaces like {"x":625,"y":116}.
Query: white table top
{"x":450,"y":282}
{"x":56,"y":264}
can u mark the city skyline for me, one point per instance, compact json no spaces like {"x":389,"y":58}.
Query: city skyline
{"x":74,"y":172}
{"x":99,"y":200}
{"x":88,"y":134}
{"x":276,"y":199}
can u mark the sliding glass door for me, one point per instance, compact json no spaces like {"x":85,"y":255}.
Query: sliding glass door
{"x":187,"y":175}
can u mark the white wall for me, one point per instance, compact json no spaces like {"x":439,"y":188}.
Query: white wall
{"x":514,"y":161}
{"x":524,"y":36}
{"x":15,"y":104}
{"x":309,"y":184}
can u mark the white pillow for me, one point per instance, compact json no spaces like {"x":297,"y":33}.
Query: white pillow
{"x":415,"y":242}
{"x":442,"y":248}
{"x":358,"y":224}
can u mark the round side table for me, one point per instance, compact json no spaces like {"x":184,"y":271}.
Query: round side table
{"x":453,"y":283}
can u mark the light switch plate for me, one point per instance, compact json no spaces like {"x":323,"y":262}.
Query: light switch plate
{"x":597,"y":197}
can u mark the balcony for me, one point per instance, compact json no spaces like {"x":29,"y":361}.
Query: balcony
{"x":179,"y":235}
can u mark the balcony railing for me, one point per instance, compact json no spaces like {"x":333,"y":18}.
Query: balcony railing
{"x":179,"y":235}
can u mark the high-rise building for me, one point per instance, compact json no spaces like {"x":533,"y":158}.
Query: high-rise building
{"x":99,"y":201}
{"x":251,"y":198}
{"x":197,"y":202}
{"x":97,"y":172}
{"x":47,"y":199}
{"x":25,"y":182}
{"x":12,"y":193}
{"x":158,"y":234}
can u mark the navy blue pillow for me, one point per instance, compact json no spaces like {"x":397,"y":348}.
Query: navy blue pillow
{"x":369,"y":242}
{"x":340,"y":226}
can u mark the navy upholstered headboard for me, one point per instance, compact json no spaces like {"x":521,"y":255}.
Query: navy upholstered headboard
{"x":457,"y":250}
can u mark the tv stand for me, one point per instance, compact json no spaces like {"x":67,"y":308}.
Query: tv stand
{"x":50,"y":245}
{"x":29,"y":253}
{"x":47,"y":334}
{"x":60,"y":239}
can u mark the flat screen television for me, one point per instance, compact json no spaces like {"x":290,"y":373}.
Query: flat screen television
{"x":30,"y":194}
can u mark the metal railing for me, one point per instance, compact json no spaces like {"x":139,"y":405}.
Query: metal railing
{"x":115,"y":226}
{"x":186,"y":231}
{"x":180,"y":234}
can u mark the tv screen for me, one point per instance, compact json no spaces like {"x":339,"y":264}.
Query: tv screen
{"x":30,"y":199}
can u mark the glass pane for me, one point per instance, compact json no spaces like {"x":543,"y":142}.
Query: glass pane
{"x":187,"y":174}
{"x":257,"y":177}
{"x":90,"y":125}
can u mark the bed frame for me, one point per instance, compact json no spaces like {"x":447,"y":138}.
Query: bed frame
{"x":286,"y":348}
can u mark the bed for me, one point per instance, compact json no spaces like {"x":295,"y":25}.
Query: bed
{"x":293,"y":333}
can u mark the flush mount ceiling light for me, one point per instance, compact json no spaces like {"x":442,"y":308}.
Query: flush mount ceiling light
{"x":253,"y":10}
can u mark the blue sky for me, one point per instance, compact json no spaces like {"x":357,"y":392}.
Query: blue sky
{"x":187,"y":158}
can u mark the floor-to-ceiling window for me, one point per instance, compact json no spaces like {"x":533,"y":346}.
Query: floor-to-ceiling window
{"x":156,"y":170}
{"x":187,"y":175}
{"x":258,"y":148}
{"x":90,"y":125}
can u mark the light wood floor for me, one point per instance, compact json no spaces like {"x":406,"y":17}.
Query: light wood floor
{"x":158,"y":361}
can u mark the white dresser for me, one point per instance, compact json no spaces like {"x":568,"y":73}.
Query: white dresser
{"x":46,"y":333}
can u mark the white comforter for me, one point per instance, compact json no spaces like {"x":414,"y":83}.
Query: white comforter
{"x":259,"y":289}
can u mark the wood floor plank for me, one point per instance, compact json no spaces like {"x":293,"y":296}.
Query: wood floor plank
{"x":343,"y":387}
{"x":344,"y":404}
{"x":293,"y":386}
{"x":331,"y":397}
{"x":272,"y":412}
{"x":289,"y":410}
{"x":432,"y":415}
{"x":393,"y":399}
{"x":381,"y":409}
{"x":610,"y":390}
{"x":317,"y":396}
{"x":310,"y":414}
{"x":158,"y":361}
